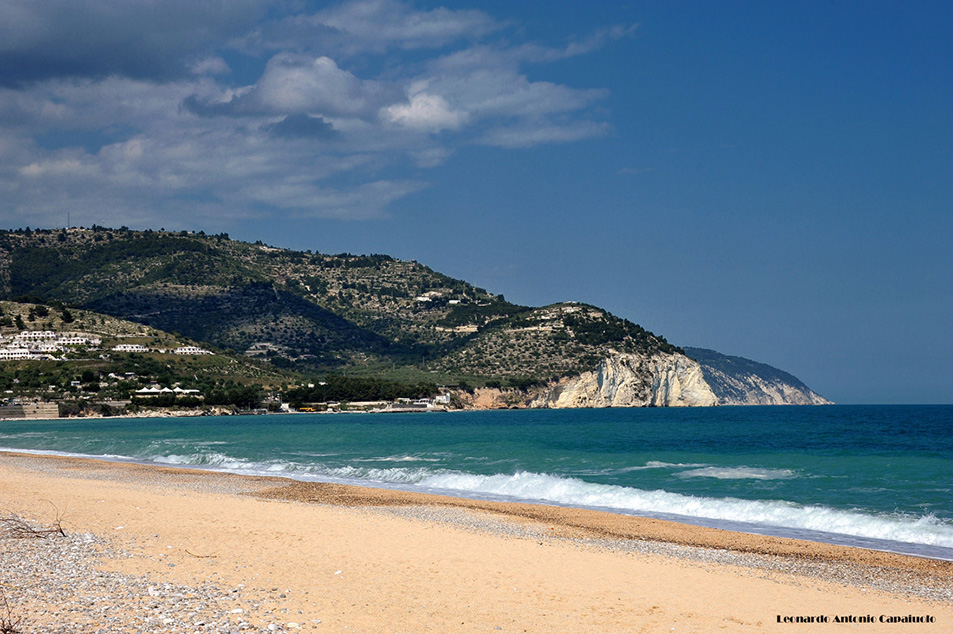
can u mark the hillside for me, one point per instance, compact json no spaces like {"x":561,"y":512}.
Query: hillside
{"x":740,"y":381}
{"x":278,"y":314}
{"x":76,"y":355}
{"x":310,"y":311}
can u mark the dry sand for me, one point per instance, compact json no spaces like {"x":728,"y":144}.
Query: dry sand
{"x":171,"y":550}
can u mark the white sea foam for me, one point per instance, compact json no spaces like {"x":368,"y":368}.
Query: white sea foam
{"x":297,"y":470}
{"x":738,"y":473}
{"x":656,"y":464}
{"x":397,"y":459}
{"x":394,"y":475}
{"x":651,"y":464}
{"x":545,"y":488}
{"x":205,"y":459}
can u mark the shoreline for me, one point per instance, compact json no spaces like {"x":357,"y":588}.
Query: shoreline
{"x":317,"y":491}
{"x":307,"y":540}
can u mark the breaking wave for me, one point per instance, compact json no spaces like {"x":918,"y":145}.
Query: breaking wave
{"x":572,"y":492}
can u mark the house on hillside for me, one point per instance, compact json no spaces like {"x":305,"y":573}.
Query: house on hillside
{"x":192,"y":350}
{"x":130,"y":347}
{"x":10,"y":354}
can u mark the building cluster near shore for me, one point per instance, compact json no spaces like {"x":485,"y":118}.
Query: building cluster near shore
{"x":155,"y":390}
{"x":439,"y":403}
{"x":47,"y":345}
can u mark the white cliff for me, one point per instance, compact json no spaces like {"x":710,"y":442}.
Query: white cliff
{"x":752,"y":389}
{"x":740,"y":381}
{"x":632,"y":380}
{"x":658,"y":380}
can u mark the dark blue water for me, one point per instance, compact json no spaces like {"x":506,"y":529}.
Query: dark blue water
{"x":859,"y":473}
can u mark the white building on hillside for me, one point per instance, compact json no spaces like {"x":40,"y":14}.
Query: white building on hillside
{"x":36,"y":335}
{"x":47,"y":341}
{"x":130,"y":347}
{"x":75,"y":339}
{"x":158,"y":391}
{"x":191,"y":350}
{"x":10,"y":354}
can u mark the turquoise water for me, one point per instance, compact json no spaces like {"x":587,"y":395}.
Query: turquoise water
{"x":878,"y":476}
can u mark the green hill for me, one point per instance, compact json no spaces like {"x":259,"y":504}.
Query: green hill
{"x":311,"y":312}
{"x":100,"y":374}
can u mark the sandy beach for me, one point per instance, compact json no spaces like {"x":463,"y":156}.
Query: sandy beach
{"x":156,"y":549}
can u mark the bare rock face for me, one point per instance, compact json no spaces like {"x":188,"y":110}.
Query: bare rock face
{"x":659,"y":380}
{"x":756,"y":390}
{"x":740,"y":381}
{"x":632,"y":380}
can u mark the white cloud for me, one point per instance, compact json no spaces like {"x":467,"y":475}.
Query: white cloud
{"x":296,"y":84}
{"x":293,"y":84}
{"x":491,"y":92}
{"x":425,"y":111}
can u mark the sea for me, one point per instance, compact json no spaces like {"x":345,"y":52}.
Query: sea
{"x":871,"y":476}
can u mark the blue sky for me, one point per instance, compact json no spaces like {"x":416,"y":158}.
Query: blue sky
{"x":771,"y":180}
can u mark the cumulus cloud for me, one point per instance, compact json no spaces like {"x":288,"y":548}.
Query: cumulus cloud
{"x":125,"y":111}
{"x":295,"y":84}
{"x":424,"y":111}
{"x":298,"y":84}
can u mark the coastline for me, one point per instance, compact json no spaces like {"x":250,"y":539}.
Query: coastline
{"x":384,"y":560}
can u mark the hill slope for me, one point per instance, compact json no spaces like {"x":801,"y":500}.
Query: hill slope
{"x":311,"y":311}
{"x":370,"y":315}
{"x":740,"y":381}
{"x":95,"y":371}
